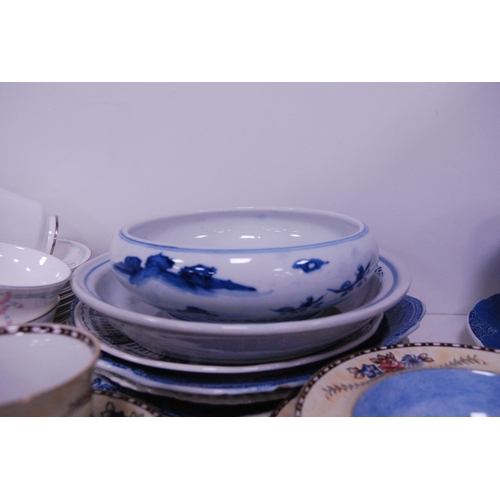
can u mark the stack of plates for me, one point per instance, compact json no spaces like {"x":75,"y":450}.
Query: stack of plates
{"x":74,"y":255}
{"x":383,"y":315}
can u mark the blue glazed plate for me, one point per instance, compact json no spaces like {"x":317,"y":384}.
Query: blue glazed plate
{"x":336,"y":388}
{"x":484,"y":322}
{"x":439,"y":392}
{"x":253,"y":387}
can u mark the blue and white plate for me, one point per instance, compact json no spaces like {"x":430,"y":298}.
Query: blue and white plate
{"x":252,"y":387}
{"x":484,"y":322}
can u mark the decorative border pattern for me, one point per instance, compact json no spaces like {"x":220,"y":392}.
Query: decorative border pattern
{"x":392,"y":365}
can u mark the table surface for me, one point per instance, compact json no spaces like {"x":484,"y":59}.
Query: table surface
{"x":448,"y":328}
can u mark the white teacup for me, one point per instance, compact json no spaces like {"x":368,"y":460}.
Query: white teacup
{"x":46,"y":370}
{"x":24,"y":222}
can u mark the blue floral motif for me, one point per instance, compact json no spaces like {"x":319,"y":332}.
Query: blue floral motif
{"x":99,"y":383}
{"x":369,"y":371}
{"x":309,"y":265}
{"x":347,"y":286}
{"x":199,"y":278}
{"x":411,"y":361}
{"x":310,"y":302}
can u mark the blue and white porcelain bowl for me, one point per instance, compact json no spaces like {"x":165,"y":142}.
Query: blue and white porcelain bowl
{"x":245,"y":264}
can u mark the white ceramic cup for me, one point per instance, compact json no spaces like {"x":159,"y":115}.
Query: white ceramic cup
{"x":24,"y":222}
{"x":46,"y":370}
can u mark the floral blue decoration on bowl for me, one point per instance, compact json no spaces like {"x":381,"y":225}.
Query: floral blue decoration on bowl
{"x":245,"y":264}
{"x":309,"y":265}
{"x":310,"y":302}
{"x":361,"y":276}
{"x":196,"y":279}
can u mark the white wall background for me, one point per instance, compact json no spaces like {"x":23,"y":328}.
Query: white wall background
{"x":419,"y":163}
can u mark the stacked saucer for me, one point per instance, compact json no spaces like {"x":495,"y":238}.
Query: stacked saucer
{"x":382,"y":314}
{"x":74,"y":254}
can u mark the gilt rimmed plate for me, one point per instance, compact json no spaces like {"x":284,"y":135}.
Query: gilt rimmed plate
{"x":336,"y":388}
{"x":74,"y":254}
{"x":484,"y":322}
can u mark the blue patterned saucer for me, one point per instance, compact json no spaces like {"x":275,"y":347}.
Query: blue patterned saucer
{"x":484,"y":322}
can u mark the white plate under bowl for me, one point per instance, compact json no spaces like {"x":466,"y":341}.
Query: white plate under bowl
{"x":235,"y":344}
{"x":215,"y":389}
{"x":243,"y":388}
{"x":118,"y":345}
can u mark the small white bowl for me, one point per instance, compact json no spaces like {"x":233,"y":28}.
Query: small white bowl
{"x":46,"y":370}
{"x":49,"y":316}
{"x":245,"y":264}
{"x":30,"y":283}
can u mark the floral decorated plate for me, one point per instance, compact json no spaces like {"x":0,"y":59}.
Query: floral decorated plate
{"x":484,"y":322}
{"x":438,"y":392}
{"x":336,"y":389}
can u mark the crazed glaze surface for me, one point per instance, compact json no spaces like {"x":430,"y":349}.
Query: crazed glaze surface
{"x":245,"y":265}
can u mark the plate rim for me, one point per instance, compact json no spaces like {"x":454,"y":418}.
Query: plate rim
{"x":322,"y":372}
{"x":80,"y":278}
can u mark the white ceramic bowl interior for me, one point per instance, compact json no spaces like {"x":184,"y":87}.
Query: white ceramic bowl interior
{"x":46,"y":370}
{"x":245,"y":265}
{"x":232,"y":343}
{"x":30,"y":282}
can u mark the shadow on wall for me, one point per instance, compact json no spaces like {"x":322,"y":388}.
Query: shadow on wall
{"x":486,"y":242}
